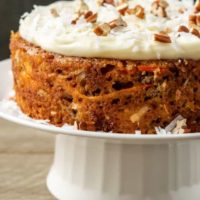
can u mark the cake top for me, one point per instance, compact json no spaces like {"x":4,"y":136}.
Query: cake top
{"x":122,"y":29}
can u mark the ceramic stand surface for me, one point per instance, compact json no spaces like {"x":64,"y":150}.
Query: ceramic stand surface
{"x":101,"y":169}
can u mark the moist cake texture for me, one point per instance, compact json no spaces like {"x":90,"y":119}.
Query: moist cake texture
{"x":80,"y":75}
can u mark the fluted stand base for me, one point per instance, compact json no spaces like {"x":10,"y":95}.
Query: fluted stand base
{"x":100,"y":169}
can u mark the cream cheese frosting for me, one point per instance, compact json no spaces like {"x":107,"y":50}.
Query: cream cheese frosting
{"x":135,"y":41}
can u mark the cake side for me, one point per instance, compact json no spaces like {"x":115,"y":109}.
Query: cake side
{"x":105,"y":94}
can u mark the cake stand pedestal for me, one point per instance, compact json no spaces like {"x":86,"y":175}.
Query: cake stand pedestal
{"x":104,"y":169}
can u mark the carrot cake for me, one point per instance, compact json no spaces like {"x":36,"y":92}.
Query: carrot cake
{"x":110,"y":65}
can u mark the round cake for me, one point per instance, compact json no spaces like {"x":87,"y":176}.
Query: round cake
{"x":117,"y":66}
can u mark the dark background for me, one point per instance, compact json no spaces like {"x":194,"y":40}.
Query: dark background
{"x":10,"y":12}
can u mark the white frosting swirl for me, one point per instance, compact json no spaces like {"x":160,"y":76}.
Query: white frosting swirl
{"x":135,"y":42}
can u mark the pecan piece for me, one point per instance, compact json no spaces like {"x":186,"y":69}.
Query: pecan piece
{"x":88,"y":14}
{"x":123,"y":1}
{"x":195,"y":32}
{"x":197,"y":6}
{"x":54,"y":12}
{"x":117,"y":22}
{"x":138,"y":11}
{"x":183,"y":29}
{"x":194,"y":20}
{"x":122,"y":8}
{"x":101,"y":2}
{"x":198,"y":20}
{"x":90,"y":17}
{"x":158,"y":8}
{"x":167,"y":30}
{"x":75,"y":19}
{"x":82,"y":8}
{"x":102,"y":30}
{"x":182,"y":10}
{"x":161,"y":37}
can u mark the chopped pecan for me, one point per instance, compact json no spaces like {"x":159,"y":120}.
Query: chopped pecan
{"x":197,"y":6}
{"x":138,"y":11}
{"x":101,"y":2}
{"x":117,"y":22}
{"x":167,"y":30}
{"x":82,"y":8}
{"x":183,"y":29}
{"x":102,"y":30}
{"x":198,"y":20}
{"x":182,"y":10}
{"x":54,"y":12}
{"x":91,"y":17}
{"x":160,"y":3}
{"x":122,"y":8}
{"x":161,"y":37}
{"x":123,"y":1}
{"x":75,"y":19}
{"x":194,"y":31}
{"x":194,"y":20}
{"x":88,"y":14}
{"x":158,"y":8}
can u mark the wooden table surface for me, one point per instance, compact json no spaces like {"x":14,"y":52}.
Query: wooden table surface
{"x":25,"y":158}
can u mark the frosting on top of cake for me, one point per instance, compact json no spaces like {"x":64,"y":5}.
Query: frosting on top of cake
{"x":122,"y":29}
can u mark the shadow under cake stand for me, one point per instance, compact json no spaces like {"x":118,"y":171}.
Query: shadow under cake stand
{"x":105,"y":166}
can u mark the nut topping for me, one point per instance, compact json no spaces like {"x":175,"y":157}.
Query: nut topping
{"x":163,"y":3}
{"x":75,"y":19}
{"x":195,"y":32}
{"x":122,"y":8}
{"x":82,"y":8}
{"x":197,"y":6}
{"x":158,"y":8}
{"x":194,"y":20}
{"x":101,"y":2}
{"x":88,"y":14}
{"x":123,"y":1}
{"x":167,"y":30}
{"x":161,"y":37}
{"x":182,"y":10}
{"x":183,"y":29}
{"x":90,"y":17}
{"x":117,"y":22}
{"x":54,"y":12}
{"x":198,"y":20}
{"x":138,"y":11}
{"x":102,"y":30}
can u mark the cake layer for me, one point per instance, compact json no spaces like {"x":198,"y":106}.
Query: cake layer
{"x":72,"y":29}
{"x":93,"y":93}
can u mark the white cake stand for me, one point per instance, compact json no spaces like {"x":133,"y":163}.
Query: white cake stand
{"x":105,"y":166}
